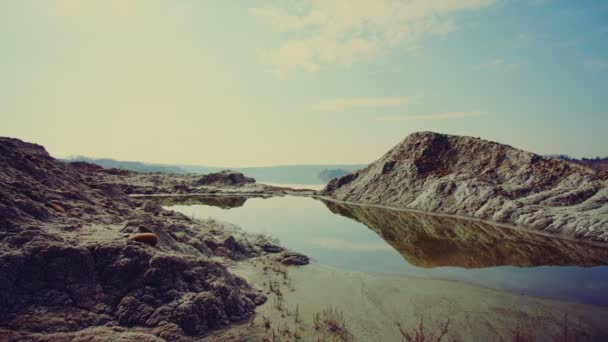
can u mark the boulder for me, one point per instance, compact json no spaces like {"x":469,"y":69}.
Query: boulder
{"x":226,"y":177}
{"x":147,"y":238}
{"x":292,"y":258}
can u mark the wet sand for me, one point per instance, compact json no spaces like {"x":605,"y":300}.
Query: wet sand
{"x":373,"y":304}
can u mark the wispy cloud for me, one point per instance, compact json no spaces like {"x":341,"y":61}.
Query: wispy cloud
{"x":501,"y":64}
{"x":343,"y":32}
{"x":491,"y":64}
{"x":524,"y":39}
{"x":597,"y":64}
{"x":430,"y":117}
{"x":354,"y":102}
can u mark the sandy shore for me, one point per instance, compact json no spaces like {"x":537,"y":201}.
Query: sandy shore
{"x":373,"y":304}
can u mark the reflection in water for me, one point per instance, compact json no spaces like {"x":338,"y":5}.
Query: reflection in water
{"x":433,"y":241}
{"x":224,"y":202}
{"x":375,"y":240}
{"x":338,"y":244}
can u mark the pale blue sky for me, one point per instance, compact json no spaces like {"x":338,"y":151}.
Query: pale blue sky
{"x":249,"y":83}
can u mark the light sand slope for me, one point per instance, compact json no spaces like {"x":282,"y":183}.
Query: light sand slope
{"x":372,"y":304}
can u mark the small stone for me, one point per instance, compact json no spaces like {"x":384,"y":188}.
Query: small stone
{"x":149,"y":238}
{"x":56,"y":207}
{"x":271,"y":248}
{"x":292,"y":258}
{"x":152,"y":207}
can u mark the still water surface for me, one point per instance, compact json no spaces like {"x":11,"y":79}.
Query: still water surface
{"x":381,"y":241}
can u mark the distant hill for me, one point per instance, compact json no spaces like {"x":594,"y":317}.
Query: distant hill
{"x":294,"y":174}
{"x":594,"y":163}
{"x":128,"y":165}
{"x":283,"y":174}
{"x":329,"y":174}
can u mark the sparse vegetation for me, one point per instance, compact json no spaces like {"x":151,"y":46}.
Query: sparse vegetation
{"x":278,"y":303}
{"x":331,"y":322}
{"x":420,"y":333}
{"x":296,"y":316}
{"x":266,"y":321}
{"x":521,"y":333}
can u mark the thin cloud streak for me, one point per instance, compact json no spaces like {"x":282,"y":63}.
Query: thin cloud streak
{"x":431,"y":117}
{"x":355,"y":102}
{"x":597,"y":64}
{"x":492,"y":64}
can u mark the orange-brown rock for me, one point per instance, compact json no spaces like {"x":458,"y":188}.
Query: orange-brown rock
{"x":149,"y":238}
{"x":56,"y":207}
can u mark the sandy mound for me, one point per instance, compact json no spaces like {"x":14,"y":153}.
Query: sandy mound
{"x":473,"y":177}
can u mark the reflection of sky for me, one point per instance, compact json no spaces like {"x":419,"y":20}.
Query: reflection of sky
{"x":307,"y":226}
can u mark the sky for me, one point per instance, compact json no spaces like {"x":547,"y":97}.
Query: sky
{"x":254,"y":83}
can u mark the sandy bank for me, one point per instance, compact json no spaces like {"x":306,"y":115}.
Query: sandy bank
{"x":372,"y":304}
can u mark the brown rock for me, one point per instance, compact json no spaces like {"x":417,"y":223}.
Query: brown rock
{"x":269,"y":247}
{"x":226,"y":177}
{"x":149,"y":238}
{"x":292,"y":258}
{"x":56,"y":207}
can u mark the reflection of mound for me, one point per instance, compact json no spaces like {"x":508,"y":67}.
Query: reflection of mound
{"x":432,"y":241}
{"x":224,"y":202}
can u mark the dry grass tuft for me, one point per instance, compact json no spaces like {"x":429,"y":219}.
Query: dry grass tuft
{"x":420,"y":333}
{"x":331,"y":321}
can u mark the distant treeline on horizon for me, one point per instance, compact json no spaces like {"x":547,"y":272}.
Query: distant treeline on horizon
{"x":285,"y":174}
{"x":595,"y":163}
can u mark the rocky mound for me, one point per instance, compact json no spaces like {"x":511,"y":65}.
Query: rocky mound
{"x":140,"y":183}
{"x":473,"y":177}
{"x":68,"y":269}
{"x":226,"y":177}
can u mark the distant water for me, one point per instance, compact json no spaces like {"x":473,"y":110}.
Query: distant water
{"x":418,"y":245}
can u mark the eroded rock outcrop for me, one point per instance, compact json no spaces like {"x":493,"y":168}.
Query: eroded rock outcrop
{"x":473,"y":177}
{"x":292,"y":259}
{"x":68,"y":270}
{"x":226,"y":182}
{"x":226,"y":177}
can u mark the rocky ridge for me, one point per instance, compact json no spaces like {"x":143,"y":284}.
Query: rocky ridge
{"x":68,"y":271}
{"x":226,"y":182}
{"x":472,"y":177}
